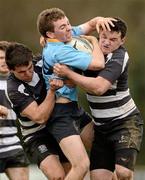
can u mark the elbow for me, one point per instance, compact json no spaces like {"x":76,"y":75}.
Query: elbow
{"x":98,"y":66}
{"x":101,"y":65}
{"x":40,"y":120}
{"x":98,"y":91}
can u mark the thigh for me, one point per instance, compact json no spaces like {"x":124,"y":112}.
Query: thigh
{"x":87,"y":135}
{"x":51,"y":164}
{"x":43,"y":146}
{"x":127,"y":138}
{"x":64,"y":121}
{"x":17,"y":173}
{"x":84,"y":118}
{"x":102,"y":153}
{"x":74,"y":149}
{"x":16,"y":167}
{"x":128,"y":134}
{"x":101,"y":174}
{"x":126,"y":158}
{"x":18,"y":160}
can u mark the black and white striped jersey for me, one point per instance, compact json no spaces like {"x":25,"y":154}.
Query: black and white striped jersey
{"x":21,"y":94}
{"x":9,"y":141}
{"x":117,"y":102}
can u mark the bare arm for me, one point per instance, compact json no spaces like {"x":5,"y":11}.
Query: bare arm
{"x":97,"y":23}
{"x":98,"y":61}
{"x":3,"y":111}
{"x":41,"y":113}
{"x":97,"y":86}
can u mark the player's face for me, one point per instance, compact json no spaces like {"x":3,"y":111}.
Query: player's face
{"x":62,"y":30}
{"x":3,"y":67}
{"x":24,"y":73}
{"x":110,"y":41}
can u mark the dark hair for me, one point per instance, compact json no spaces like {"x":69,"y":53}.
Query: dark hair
{"x":119,"y":26}
{"x":18,"y":55}
{"x":46,"y":18}
{"x":4,"y":45}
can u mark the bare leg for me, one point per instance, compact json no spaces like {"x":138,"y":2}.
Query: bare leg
{"x":18,"y":173}
{"x":50,"y":165}
{"x":74,"y":150}
{"x":114,"y":176}
{"x":87,"y":135}
{"x":101,"y":174}
{"x":123,"y":173}
{"x":66,"y":167}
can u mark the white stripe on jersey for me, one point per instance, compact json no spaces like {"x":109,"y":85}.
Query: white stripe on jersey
{"x":8,"y":130}
{"x":32,"y":130}
{"x":3,"y":85}
{"x":9,"y":140}
{"x":126,"y":58}
{"x":104,"y":99}
{"x":113,"y":112}
{"x":120,"y":117}
{"x":8,"y":143}
{"x":27,"y":123}
{"x":10,"y":148}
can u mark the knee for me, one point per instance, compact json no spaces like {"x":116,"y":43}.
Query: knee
{"x":83,"y":165}
{"x":124,"y":173}
{"x":53,"y":174}
{"x":86,"y":164}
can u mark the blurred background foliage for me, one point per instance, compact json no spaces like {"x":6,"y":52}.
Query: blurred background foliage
{"x":18,"y":23}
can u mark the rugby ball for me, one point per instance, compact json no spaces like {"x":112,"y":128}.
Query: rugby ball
{"x":81,"y":44}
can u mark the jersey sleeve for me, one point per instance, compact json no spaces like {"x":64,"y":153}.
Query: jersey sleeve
{"x":19,"y":97}
{"x":77,"y":31}
{"x":115,"y":65}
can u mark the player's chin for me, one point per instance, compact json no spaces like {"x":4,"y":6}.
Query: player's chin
{"x":105,"y":51}
{"x":69,"y":38}
{"x":27,"y":79}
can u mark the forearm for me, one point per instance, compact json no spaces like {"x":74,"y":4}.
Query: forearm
{"x":97,"y":23}
{"x":89,"y":26}
{"x":40,"y":113}
{"x":94,"y":85}
{"x":98,"y":61}
{"x":45,"y":109}
{"x":87,"y":83}
{"x":3,"y":111}
{"x":92,"y":23}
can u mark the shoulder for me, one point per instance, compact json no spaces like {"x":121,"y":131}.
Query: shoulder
{"x":12,"y":82}
{"x":77,"y":30}
{"x":119,"y":55}
{"x":121,"y":52}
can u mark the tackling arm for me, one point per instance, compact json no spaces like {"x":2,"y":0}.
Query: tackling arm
{"x":97,"y":23}
{"x":41,"y":113}
{"x":97,"y":86}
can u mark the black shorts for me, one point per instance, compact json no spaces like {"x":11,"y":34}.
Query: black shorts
{"x":17,"y":160}
{"x":67,"y":119}
{"x":42,"y":145}
{"x":118,"y":145}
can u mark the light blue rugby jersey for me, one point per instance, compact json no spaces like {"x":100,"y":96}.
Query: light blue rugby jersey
{"x":58,"y":52}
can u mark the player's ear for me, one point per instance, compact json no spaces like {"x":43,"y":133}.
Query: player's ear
{"x":123,"y":40}
{"x":50,"y":34}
